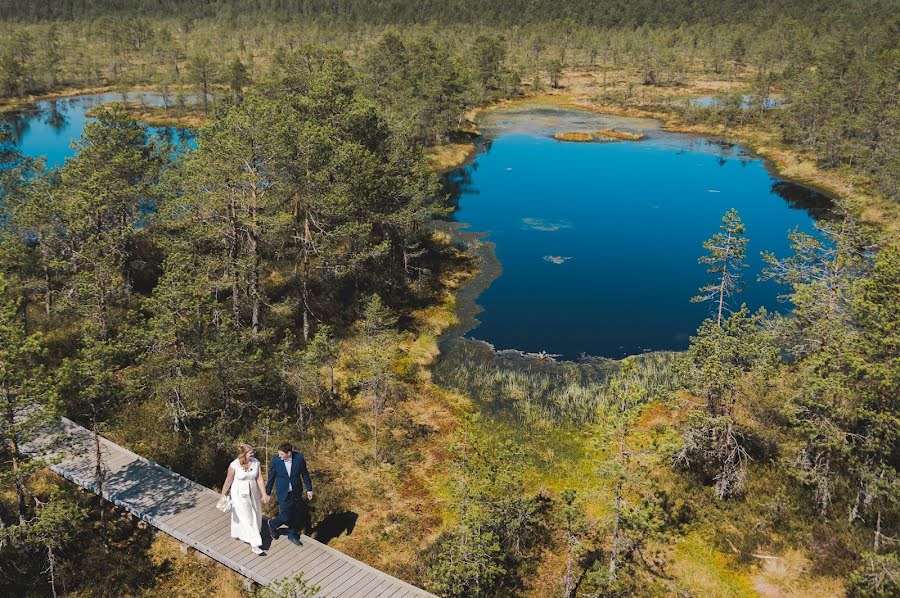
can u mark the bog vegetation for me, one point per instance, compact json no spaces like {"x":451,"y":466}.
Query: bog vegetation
{"x":281,"y":281}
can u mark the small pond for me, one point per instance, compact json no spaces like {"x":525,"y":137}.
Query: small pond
{"x":48,"y":127}
{"x":598,"y":242}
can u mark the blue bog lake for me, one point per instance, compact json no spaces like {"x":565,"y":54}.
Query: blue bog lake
{"x":48,"y":127}
{"x":598,"y":242}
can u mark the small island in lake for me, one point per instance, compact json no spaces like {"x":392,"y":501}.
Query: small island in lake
{"x":620,"y":135}
{"x":603,"y":136}
{"x":573,"y":136}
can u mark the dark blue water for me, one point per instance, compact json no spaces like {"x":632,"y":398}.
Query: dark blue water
{"x":599,"y":241}
{"x":48,"y":127}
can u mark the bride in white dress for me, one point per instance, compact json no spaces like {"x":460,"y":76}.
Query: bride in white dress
{"x":248,"y":492}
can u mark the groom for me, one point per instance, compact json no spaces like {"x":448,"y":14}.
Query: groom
{"x":285,"y":472}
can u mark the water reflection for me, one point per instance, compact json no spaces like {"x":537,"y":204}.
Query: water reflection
{"x":56,"y":117}
{"x":48,"y":127}
{"x":814,"y":203}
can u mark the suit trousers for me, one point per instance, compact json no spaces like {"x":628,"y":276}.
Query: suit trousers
{"x":287,"y":511}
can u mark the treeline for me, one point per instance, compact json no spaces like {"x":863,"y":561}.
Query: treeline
{"x":592,"y":13}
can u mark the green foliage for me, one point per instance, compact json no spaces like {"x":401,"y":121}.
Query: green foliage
{"x":841,"y":108}
{"x":421,"y":86}
{"x":375,"y":352}
{"x":304,"y":211}
{"x":724,"y":262}
{"x":500,"y":525}
{"x":237,"y":77}
{"x":554,"y":70}
{"x":537,"y":389}
{"x":877,"y":577}
{"x":27,"y":398}
{"x":294,"y":587}
{"x":635,"y":515}
{"x":715,"y":363}
{"x":44,"y":536}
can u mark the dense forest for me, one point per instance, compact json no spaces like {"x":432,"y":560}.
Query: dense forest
{"x":283,"y":280}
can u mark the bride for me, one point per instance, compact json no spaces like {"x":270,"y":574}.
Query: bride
{"x":247,"y":493}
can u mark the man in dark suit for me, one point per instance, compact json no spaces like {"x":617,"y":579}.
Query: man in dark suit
{"x":285,"y":472}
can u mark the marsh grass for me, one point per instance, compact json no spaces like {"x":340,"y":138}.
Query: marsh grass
{"x":537,"y":391}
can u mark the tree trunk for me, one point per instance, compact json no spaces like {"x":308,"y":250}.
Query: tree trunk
{"x":305,"y":279}
{"x":254,"y":289}
{"x":722,"y":283}
{"x":51,"y":559}
{"x":877,"y":545}
{"x":14,"y":452}
{"x":614,"y":549}
{"x":569,"y":582}
{"x":48,"y":294}
{"x":233,"y":259}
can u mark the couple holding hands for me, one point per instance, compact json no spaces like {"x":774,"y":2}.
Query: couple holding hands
{"x":244,"y":483}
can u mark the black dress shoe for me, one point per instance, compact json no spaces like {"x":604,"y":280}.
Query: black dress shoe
{"x":295,"y":539}
{"x":272,"y":529}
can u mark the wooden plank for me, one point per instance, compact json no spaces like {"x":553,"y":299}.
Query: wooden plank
{"x":168,"y":518}
{"x":196,"y":515}
{"x":358,"y":580}
{"x":321,"y":573}
{"x":354,"y":577}
{"x":183,"y":517}
{"x":177,"y":520}
{"x":220,"y":543}
{"x":248,"y":558}
{"x":234,"y":549}
{"x":371,"y":589}
{"x":311,"y":568}
{"x":341,"y":571}
{"x":393,"y":591}
{"x":213,"y":532}
{"x":287,"y":563}
{"x":202,"y":526}
{"x":283,"y":557}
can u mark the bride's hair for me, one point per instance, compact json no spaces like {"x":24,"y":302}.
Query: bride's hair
{"x":243,"y":449}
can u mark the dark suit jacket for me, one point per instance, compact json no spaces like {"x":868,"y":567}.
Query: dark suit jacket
{"x":278,"y":476}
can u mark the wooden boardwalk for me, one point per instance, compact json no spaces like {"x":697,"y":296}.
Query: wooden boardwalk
{"x":186,"y":511}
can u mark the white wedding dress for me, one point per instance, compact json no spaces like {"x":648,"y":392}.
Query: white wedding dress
{"x":246,"y":505}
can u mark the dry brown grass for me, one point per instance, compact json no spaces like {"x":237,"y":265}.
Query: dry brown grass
{"x":443,"y":158}
{"x":159,"y":116}
{"x":613,"y":134}
{"x":787,"y":575}
{"x":577,"y":137}
{"x":191,"y":574}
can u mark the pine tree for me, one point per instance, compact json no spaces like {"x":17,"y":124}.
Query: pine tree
{"x":237,"y":79}
{"x":174,"y":341}
{"x":27,"y":398}
{"x":201,"y":72}
{"x":231,"y":196}
{"x":501,"y":525}
{"x":53,"y":527}
{"x":725,"y":261}
{"x":377,"y":349}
